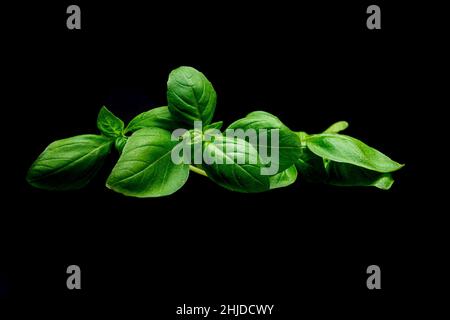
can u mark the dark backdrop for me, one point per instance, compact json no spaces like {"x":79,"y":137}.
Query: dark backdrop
{"x":302,"y":248}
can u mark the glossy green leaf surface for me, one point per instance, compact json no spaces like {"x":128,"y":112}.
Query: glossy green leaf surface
{"x":190,"y":95}
{"x":288,"y":146}
{"x":109,"y":124}
{"x":342,"y":148}
{"x":284,"y":178}
{"x":158,"y":117}
{"x":145,"y":167}
{"x":240,"y":167}
{"x":69,"y":163}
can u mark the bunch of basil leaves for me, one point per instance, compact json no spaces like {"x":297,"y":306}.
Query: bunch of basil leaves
{"x":145,"y":167}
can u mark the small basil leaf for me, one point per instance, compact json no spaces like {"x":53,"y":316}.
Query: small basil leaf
{"x":337,"y":127}
{"x":289,"y":145}
{"x":237,"y":166}
{"x":109,"y":124}
{"x":158,"y":117}
{"x":216,"y":125}
{"x":384,"y":182}
{"x":284,"y":178}
{"x":190,"y":95}
{"x":120,"y":143}
{"x":344,"y":174}
{"x":341,"y":148}
{"x":311,"y":167}
{"x":70,"y":163}
{"x":145,"y":167}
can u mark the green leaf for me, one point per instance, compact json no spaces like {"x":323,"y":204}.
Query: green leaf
{"x":109,"y":124}
{"x":341,"y":148}
{"x":289,"y":145}
{"x":216,"y":125}
{"x":284,"y":178}
{"x":70,"y":163}
{"x":145,"y":168}
{"x":190,"y":95}
{"x":158,"y":117}
{"x":337,"y":127}
{"x":344,"y":174}
{"x":240,"y":167}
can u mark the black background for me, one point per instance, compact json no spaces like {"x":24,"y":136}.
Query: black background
{"x":304,"y":248}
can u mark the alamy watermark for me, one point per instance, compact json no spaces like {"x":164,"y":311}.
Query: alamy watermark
{"x":234,"y":146}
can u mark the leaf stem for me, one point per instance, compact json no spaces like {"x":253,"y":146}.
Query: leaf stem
{"x":197,"y":170}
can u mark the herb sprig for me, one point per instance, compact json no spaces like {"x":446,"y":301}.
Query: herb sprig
{"x":145,"y":167}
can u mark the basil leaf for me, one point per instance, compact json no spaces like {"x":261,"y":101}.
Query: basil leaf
{"x":145,"y":168}
{"x":289,"y":145}
{"x":341,"y":148}
{"x":158,"y":117}
{"x":109,"y":124}
{"x":284,"y":178}
{"x":337,"y":127}
{"x":69,"y":163}
{"x":344,"y":174}
{"x":190,"y":95}
{"x":237,"y":166}
{"x":216,"y":125}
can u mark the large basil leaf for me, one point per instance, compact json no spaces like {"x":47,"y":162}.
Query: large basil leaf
{"x":342,"y":148}
{"x":145,"y":168}
{"x":158,"y":117}
{"x":109,"y":124}
{"x":289,"y":146}
{"x":69,"y":163}
{"x":284,"y":178}
{"x":190,"y":95}
{"x":240,"y":167}
{"x":344,"y":174}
